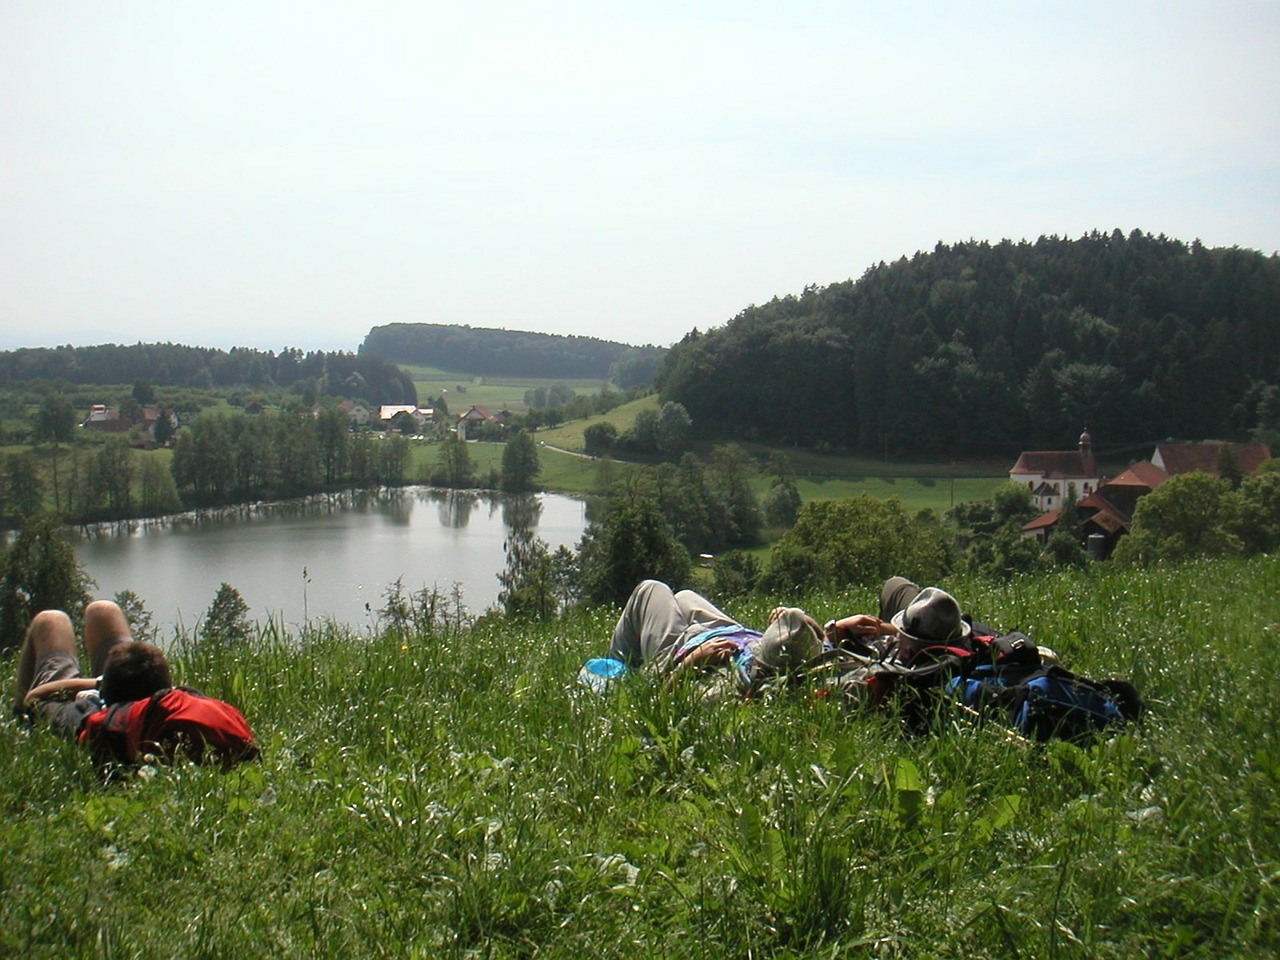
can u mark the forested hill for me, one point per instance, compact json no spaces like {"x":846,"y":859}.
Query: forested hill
{"x":168,"y":364}
{"x":482,"y":351}
{"x":981,"y":349}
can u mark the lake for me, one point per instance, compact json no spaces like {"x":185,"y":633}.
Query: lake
{"x":324,"y":557}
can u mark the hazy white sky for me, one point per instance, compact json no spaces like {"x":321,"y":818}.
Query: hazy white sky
{"x":275,"y":174}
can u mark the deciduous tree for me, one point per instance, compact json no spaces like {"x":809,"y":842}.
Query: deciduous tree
{"x":1189,"y":515}
{"x":630,"y":543}
{"x":520,"y":463}
{"x":40,"y":572}
{"x":227,"y":619}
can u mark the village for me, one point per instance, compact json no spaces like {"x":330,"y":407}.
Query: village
{"x":1062,"y":480}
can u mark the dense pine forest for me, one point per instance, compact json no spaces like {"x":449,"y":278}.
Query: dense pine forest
{"x":978,"y":349}
{"x":489,"y":352}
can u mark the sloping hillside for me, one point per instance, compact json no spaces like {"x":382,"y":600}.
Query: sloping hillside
{"x":978,"y":349}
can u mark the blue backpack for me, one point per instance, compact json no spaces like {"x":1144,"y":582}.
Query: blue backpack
{"x":1040,"y":702}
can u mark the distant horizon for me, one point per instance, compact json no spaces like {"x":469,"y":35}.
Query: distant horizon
{"x":6,"y":339}
{"x":258,"y":174}
{"x":305,"y":348}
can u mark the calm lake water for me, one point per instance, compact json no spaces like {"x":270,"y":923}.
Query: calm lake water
{"x":324,"y":558}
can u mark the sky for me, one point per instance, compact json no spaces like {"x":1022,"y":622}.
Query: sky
{"x":290,"y":174}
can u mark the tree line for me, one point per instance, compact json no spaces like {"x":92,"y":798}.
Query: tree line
{"x":649,"y":529}
{"x":371,"y":378}
{"x":488,"y":352}
{"x":985,"y":349}
{"x":220,"y":458}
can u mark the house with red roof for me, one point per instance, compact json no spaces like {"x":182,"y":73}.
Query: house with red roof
{"x":1205,"y":456}
{"x":475,"y":417}
{"x":1106,"y":513}
{"x":1054,"y":475}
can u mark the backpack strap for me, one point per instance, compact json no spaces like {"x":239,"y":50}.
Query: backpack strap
{"x":113,"y":734}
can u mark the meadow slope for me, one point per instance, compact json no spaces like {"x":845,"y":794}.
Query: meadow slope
{"x":452,"y":792}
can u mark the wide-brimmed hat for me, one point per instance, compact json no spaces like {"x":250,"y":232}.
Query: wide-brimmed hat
{"x":789,"y":642}
{"x":932,"y":617}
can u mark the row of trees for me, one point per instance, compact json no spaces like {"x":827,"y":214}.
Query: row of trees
{"x":990,"y":349}
{"x":220,"y":458}
{"x":372,"y":378}
{"x":103,"y":481}
{"x":565,"y":404}
{"x":863,"y":540}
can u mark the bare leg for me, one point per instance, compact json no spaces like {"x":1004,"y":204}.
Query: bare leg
{"x":104,"y":626}
{"x":49,"y":632}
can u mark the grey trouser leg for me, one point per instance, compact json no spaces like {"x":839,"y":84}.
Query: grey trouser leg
{"x":896,"y":595}
{"x":656,"y":621}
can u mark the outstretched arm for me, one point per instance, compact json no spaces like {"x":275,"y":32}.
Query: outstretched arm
{"x":54,"y":687}
{"x":859,"y":626}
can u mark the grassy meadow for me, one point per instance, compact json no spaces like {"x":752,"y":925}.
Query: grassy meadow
{"x":451,"y":791}
{"x":464,"y":390}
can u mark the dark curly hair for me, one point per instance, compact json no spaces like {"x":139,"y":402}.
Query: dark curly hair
{"x":134,"y":671}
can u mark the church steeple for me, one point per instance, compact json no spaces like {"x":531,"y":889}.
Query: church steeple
{"x":1086,"y":452}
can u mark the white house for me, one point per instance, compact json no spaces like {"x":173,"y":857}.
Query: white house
{"x":1052,"y":475}
{"x":388,"y":412}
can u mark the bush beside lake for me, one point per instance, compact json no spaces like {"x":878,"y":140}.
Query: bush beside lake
{"x":448,"y":793}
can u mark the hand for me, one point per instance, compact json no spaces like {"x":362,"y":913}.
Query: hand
{"x":864,"y":625}
{"x":712,"y":653}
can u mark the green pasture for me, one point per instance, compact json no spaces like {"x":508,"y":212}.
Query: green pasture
{"x":440,"y":789}
{"x":570,"y":473}
{"x":569,"y":436}
{"x":561,"y":472}
{"x":462,"y":391}
{"x":937,"y":486}
{"x":916,"y":493}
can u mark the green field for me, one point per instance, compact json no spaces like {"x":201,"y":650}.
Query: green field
{"x":917,"y":493}
{"x":569,"y":435}
{"x":454,"y":793}
{"x":462,"y":391}
{"x":567,"y":473}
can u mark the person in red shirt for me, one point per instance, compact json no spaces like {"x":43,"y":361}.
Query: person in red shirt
{"x":127,"y":709}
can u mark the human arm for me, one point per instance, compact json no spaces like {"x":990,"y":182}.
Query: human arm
{"x":716,"y":652}
{"x":858,"y":627}
{"x":54,"y":687}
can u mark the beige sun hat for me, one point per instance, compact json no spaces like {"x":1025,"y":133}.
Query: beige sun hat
{"x":788,"y":642}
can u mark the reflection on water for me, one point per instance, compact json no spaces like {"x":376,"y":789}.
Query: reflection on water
{"x":454,"y":507}
{"x":521,"y":510}
{"x":351,"y":546}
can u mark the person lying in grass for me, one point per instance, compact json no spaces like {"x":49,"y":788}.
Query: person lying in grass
{"x":910,"y":618}
{"x":127,"y":710}
{"x":675,"y":633}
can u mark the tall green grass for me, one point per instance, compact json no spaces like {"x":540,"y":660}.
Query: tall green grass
{"x":455,"y":793}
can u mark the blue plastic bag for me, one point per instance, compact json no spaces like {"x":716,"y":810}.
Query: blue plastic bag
{"x":600,"y":673}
